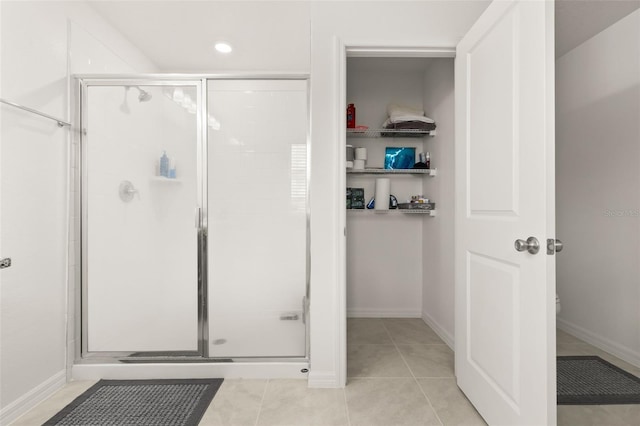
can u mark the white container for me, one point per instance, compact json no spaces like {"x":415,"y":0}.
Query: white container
{"x":383,"y":189}
{"x":361,"y":153}
{"x":350,"y":153}
{"x":358,"y":164}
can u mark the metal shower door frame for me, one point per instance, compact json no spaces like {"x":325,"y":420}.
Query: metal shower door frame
{"x":79,"y":92}
{"x":82,"y":84}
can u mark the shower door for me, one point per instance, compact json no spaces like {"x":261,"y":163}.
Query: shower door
{"x":257,"y":220}
{"x":142,"y":192}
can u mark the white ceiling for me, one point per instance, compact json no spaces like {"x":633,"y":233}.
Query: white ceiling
{"x":173,"y":34}
{"x":179,"y":35}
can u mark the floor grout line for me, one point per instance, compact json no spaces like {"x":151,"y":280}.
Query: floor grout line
{"x":429,"y":402}
{"x":415,"y":379}
{"x":346,"y":404}
{"x":264,"y":393}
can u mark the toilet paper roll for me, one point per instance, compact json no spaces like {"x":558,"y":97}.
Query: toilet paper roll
{"x":358,"y":164}
{"x":349,"y":164}
{"x":350,"y":153}
{"x":361,"y":153}
{"x":383,"y":189}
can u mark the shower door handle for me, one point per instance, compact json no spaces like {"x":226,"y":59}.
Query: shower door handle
{"x":198,"y":217}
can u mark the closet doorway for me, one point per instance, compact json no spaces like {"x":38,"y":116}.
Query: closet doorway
{"x":502,"y":291}
{"x":400,"y":263}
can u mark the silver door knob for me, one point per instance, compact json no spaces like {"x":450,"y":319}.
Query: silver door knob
{"x":559,"y":246}
{"x":531,"y":245}
{"x":554,"y":246}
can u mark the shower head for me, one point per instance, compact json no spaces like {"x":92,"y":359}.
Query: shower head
{"x":144,"y":96}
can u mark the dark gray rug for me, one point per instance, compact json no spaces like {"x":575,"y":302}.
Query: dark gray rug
{"x":140,"y":402}
{"x":591,"y":380}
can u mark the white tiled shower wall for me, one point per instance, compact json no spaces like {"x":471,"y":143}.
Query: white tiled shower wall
{"x":87,"y":54}
{"x":43,"y":43}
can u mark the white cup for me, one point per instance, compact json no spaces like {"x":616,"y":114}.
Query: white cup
{"x":358,"y":164}
{"x":349,"y":164}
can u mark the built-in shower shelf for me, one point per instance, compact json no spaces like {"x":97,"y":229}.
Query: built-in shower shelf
{"x":165,"y":180}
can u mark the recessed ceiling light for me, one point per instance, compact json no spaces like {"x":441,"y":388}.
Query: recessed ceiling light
{"x":223,"y":47}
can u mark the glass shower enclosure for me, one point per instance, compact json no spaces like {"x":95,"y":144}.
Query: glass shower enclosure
{"x":194,"y":218}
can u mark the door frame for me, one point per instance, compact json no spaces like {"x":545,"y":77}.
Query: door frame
{"x":347,"y":49}
{"x":82,"y":84}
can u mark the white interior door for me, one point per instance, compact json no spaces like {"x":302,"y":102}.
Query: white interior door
{"x":505,"y":317}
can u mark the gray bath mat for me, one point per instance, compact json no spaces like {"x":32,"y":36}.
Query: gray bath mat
{"x":140,"y":402}
{"x":591,"y":380}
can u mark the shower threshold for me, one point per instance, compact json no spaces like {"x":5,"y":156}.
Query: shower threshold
{"x":184,"y":367}
{"x":146,"y":359}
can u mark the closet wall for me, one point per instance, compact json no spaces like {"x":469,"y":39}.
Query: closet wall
{"x":384,"y":250}
{"x":598,"y":187}
{"x":401,"y":265}
{"x":437,"y":234}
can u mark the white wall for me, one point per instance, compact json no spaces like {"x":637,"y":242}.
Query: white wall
{"x":42,"y":42}
{"x":438,"y":257}
{"x":384,"y":251}
{"x":432,"y":23}
{"x":598,"y":188}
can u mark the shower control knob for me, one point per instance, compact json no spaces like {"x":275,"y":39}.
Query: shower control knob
{"x":531,"y":245}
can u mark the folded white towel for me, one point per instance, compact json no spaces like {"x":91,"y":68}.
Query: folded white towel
{"x":403,"y":118}
{"x":395,"y":109}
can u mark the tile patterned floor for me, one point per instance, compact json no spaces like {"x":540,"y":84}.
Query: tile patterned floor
{"x":399,"y":373}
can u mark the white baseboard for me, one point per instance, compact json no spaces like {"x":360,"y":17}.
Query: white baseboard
{"x":35,"y":396}
{"x":622,"y":352}
{"x":441,"y":332}
{"x":382,"y":313}
{"x":323,"y":380}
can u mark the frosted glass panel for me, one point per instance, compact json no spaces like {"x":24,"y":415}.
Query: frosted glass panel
{"x":141,"y":289}
{"x":257,"y":218}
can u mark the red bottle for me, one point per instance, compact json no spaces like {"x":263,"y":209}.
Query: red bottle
{"x":351,"y":116}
